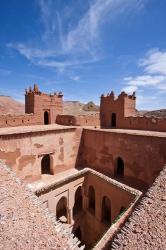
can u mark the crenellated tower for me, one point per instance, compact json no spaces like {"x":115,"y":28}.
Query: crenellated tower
{"x":48,"y":106}
{"x":114,"y":109}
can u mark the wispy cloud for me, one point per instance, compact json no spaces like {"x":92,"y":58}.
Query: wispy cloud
{"x":154,"y":73}
{"x":5,"y":72}
{"x":154,"y":62}
{"x":79,"y":43}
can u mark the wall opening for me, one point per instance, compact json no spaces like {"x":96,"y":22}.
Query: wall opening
{"x":122,"y":210}
{"x":78,"y":234}
{"x":119,"y":168}
{"x":46,"y":118}
{"x":113,"y":120}
{"x":106,"y":210}
{"x":91,"y":196}
{"x":46,"y":165}
{"x":78,"y":201}
{"x":61,"y":210}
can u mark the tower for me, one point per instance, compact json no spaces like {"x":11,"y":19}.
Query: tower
{"x":44,"y":105}
{"x":113,"y":110}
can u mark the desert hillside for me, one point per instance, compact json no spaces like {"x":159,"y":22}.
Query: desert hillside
{"x":10,"y":106}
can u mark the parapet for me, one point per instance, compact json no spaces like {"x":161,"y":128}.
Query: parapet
{"x":122,"y":95}
{"x":35,"y":91}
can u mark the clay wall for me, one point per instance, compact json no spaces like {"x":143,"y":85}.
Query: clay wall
{"x":80,"y":120}
{"x":143,"y":154}
{"x":37,"y":102}
{"x":19,"y":120}
{"x":126,"y":117}
{"x":91,"y":224}
{"x":24,"y":151}
{"x":123,"y":105}
{"x":144,"y":123}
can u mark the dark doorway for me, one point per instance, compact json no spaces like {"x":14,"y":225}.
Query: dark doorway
{"x":61,"y":209}
{"x":78,"y":201}
{"x":113,"y":120}
{"x":46,"y":118}
{"x":91,"y":196}
{"x":46,"y":165}
{"x":106,"y":210}
{"x":78,"y":234}
{"x":122,"y":210}
{"x":120,"y":168}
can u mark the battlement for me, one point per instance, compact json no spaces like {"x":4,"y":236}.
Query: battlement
{"x":122,"y":95}
{"x":113,"y":109}
{"x":35,"y":91}
{"x":45,"y":105}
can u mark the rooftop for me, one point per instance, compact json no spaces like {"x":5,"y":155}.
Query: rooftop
{"x":145,"y":229}
{"x":24,"y":224}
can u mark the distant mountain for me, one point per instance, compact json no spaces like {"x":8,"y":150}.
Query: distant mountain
{"x":91,"y":106}
{"x":10,"y":106}
{"x":155,"y":113}
{"x":77,"y":108}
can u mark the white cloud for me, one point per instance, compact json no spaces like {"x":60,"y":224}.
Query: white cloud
{"x":154,"y":62}
{"x":130,"y":89}
{"x":79,"y":44}
{"x":154,"y":73}
{"x":75,"y":78}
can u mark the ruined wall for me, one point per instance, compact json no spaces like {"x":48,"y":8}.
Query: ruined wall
{"x":144,"y":154}
{"x":24,"y":151}
{"x":80,"y":120}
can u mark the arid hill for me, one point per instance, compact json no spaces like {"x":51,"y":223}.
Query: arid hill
{"x":10,"y":106}
{"x":155,"y":113}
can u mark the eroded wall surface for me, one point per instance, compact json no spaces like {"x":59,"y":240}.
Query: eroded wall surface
{"x":144,"y":154}
{"x":24,"y":151}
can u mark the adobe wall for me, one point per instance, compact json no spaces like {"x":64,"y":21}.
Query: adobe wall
{"x":23,"y":151}
{"x":144,"y":123}
{"x":124,"y":107}
{"x":20,"y":120}
{"x":143,"y":154}
{"x":38,"y":102}
{"x":91,"y":224}
{"x":80,"y":120}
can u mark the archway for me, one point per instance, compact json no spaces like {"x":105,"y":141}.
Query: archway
{"x":120,"y":168}
{"x":78,"y":201}
{"x":106,"y":210}
{"x":61,"y":209}
{"x":46,"y":165}
{"x":113,"y":120}
{"x":46,"y":118}
{"x":91,"y":196}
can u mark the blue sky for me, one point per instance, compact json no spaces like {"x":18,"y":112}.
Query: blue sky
{"x":84,"y":48}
